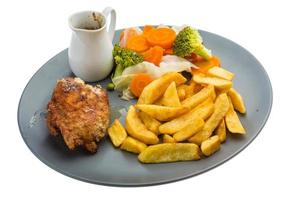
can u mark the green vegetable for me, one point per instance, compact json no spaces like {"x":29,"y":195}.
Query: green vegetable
{"x":110,"y":86}
{"x":124,"y":58}
{"x":189,"y":41}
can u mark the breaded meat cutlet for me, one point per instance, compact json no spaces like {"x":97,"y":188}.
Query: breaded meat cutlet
{"x":79,"y":112}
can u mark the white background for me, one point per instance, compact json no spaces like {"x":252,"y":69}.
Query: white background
{"x":31,"y":32}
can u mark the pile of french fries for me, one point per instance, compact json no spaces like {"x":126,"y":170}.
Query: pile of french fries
{"x":176,"y":120}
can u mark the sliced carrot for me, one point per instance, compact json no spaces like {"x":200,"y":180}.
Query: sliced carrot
{"x":205,"y":65}
{"x":147,"y":29}
{"x":154,"y":55}
{"x":216,"y":61}
{"x":168,"y":52}
{"x":138,"y":83}
{"x":130,"y":32}
{"x":137,"y":43}
{"x":163,"y":37}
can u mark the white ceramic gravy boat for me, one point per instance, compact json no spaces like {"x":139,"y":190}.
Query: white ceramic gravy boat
{"x":90,"y":51}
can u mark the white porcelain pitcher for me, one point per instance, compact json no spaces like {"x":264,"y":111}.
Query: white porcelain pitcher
{"x":90,"y":51}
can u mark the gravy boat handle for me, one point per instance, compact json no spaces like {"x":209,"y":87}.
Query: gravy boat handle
{"x":106,"y":12}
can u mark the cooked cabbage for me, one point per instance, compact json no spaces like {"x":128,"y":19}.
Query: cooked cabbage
{"x":169,"y":63}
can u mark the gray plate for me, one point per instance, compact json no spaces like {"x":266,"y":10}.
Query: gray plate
{"x":112,"y":166}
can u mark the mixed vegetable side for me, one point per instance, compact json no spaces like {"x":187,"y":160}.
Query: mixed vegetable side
{"x":185,"y":100}
{"x":144,"y":55}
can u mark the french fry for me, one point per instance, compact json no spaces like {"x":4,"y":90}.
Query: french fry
{"x":237,"y":100}
{"x":213,"y":95}
{"x":210,"y":146}
{"x":221,"y":131}
{"x":219,"y":72}
{"x":132,"y":145}
{"x":169,"y":152}
{"x":151,"y":123}
{"x":203,"y":110}
{"x":168,"y":139}
{"x":158,"y":102}
{"x":171,"y":97}
{"x":137,"y":129}
{"x":181,"y":92}
{"x":156,"y":88}
{"x":189,"y":130}
{"x":232,"y":121}
{"x":199,"y":97}
{"x":162,"y":113}
{"x":197,"y":88}
{"x":190,"y":89}
{"x":117,"y":133}
{"x":221,"y":107}
{"x":179,"y":120}
{"x":218,"y":83}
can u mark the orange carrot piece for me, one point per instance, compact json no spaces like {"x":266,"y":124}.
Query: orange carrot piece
{"x":137,"y":43}
{"x":147,"y":29}
{"x":205,"y":65}
{"x":154,"y":55}
{"x":138,"y":83}
{"x":216,"y":61}
{"x":163,"y":37}
{"x":169,"y":52}
{"x":130,"y":32}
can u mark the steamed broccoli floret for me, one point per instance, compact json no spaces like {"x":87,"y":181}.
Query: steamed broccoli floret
{"x":189,"y":41}
{"x":124,"y":58}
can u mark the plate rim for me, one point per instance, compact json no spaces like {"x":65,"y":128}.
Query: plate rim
{"x":153,"y":183}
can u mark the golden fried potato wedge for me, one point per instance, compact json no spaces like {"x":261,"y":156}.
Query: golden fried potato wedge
{"x":186,"y":91}
{"x":237,"y":100}
{"x":213,"y":95}
{"x":207,"y":103}
{"x":210,"y":146}
{"x":169,"y":152}
{"x":218,"y":83}
{"x":199,"y":137}
{"x":117,"y":133}
{"x":199,"y":97}
{"x":197,"y":88}
{"x":151,"y":123}
{"x":162,"y":113}
{"x":156,"y":88}
{"x":137,"y":129}
{"x":190,"y":89}
{"x":171,"y":97}
{"x":221,"y":107}
{"x":158,"y":102}
{"x":181,"y":92}
{"x":168,"y":139}
{"x":232,"y":121}
{"x":203,"y":110}
{"x":189,"y":130}
{"x":132,"y":145}
{"x":219,"y":72}
{"x":221,"y":131}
